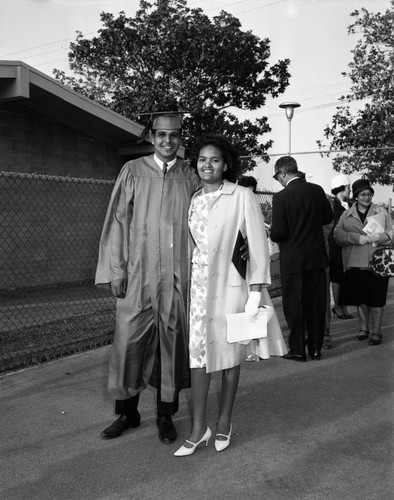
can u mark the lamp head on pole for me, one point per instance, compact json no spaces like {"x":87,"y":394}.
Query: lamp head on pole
{"x":289,"y":108}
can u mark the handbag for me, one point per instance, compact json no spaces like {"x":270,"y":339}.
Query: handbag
{"x":237,"y":260}
{"x":382,"y":262}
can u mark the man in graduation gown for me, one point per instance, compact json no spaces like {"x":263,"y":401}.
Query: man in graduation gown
{"x":143,"y":258}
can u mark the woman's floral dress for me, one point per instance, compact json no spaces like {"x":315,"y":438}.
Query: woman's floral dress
{"x":198,"y":223}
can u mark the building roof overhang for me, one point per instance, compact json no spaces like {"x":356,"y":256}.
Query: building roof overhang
{"x":21,"y":82}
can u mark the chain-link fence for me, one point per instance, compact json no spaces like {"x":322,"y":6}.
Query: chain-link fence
{"x":265,"y":200}
{"x":50,"y":229}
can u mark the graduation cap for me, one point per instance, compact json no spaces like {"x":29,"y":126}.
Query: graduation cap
{"x":163,"y":120}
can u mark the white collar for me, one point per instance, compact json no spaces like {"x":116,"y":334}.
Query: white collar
{"x":161,"y":163}
{"x":292,"y":179}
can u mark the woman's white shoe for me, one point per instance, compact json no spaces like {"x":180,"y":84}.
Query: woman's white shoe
{"x":184,"y":451}
{"x":222,"y":444}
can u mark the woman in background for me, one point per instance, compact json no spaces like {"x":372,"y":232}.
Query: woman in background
{"x":360,"y":287}
{"x":340,"y":188}
{"x":273,"y":344}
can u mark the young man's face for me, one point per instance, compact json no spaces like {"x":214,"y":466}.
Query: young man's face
{"x":166,"y":143}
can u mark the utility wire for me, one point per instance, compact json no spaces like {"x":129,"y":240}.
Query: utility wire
{"x":95,"y":32}
{"x":321,"y":151}
{"x":304,"y":109}
{"x":312,"y":108}
{"x":43,"y":45}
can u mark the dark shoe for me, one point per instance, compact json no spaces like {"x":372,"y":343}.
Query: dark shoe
{"x":120,"y":425}
{"x":167,"y":431}
{"x":315,"y":354}
{"x":362,"y":335}
{"x":294,"y":357}
{"x":341,"y":316}
{"x":376,"y":339}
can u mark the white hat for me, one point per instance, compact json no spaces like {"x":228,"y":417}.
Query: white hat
{"x":340,"y":180}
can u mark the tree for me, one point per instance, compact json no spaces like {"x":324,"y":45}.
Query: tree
{"x":370,"y":131}
{"x":171,"y":57}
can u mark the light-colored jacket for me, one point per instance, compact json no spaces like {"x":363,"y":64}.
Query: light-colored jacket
{"x":235,"y":209}
{"x":347,"y":234}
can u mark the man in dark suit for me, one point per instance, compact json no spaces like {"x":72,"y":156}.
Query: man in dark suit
{"x":299,"y":213}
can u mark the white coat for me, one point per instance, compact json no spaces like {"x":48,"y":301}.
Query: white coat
{"x":235,"y":209}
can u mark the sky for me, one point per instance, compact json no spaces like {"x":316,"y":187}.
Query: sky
{"x":311,"y":33}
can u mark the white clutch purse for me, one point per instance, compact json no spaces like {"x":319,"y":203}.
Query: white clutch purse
{"x":242,"y":330}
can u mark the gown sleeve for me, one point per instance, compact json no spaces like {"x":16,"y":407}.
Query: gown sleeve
{"x":114,"y":241}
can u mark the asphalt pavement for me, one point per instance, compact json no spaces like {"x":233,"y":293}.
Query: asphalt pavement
{"x":308,"y":431}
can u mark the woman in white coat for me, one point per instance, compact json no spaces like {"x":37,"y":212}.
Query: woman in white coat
{"x":218,"y":213}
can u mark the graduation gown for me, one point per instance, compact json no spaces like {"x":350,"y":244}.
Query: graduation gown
{"x":145,"y":240}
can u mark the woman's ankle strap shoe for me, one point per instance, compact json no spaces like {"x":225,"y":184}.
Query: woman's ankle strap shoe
{"x":376,"y":339}
{"x":184,"y":450}
{"x":363,"y":334}
{"x":222,"y":444}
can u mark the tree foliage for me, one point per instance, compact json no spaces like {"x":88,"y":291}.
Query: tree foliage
{"x":371,"y":129}
{"x":171,"y":57}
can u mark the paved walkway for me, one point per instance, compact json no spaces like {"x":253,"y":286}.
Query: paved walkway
{"x":321,"y":430}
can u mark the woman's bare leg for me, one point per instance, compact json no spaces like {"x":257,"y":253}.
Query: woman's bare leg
{"x":230,"y":380}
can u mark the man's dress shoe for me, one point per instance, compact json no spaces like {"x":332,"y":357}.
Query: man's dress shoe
{"x":122,"y":423}
{"x":294,"y":357}
{"x":167,"y":431}
{"x":316,"y":354}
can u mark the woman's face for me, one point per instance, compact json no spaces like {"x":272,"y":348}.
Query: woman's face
{"x":346,"y":191}
{"x":211,"y":165}
{"x":364,"y":198}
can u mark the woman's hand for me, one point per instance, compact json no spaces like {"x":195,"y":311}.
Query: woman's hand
{"x":373,"y":237}
{"x":252,"y":305}
{"x":118,"y":288}
{"x":363,"y":240}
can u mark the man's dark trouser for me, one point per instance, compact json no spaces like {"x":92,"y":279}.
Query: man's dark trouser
{"x":129,"y":406}
{"x":304,"y":304}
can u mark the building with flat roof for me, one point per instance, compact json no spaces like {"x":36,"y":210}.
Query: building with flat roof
{"x":48,"y":128}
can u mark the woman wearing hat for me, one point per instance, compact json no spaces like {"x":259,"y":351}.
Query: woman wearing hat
{"x":360,"y":287}
{"x":340,"y":188}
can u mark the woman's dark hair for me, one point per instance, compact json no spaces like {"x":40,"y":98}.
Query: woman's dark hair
{"x":337,"y":190}
{"x":248,"y":181}
{"x":228,"y":151}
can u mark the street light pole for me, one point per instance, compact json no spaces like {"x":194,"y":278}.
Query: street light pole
{"x":289,"y":109}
